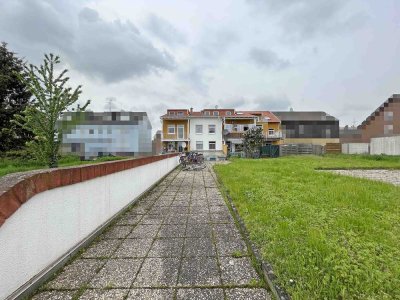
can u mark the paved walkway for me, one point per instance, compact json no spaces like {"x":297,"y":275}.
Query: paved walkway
{"x":179,"y":242}
{"x":389,"y":176}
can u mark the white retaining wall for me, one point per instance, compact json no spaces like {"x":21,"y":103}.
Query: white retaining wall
{"x":386,"y":145}
{"x":355,"y":148}
{"x":51,"y":223}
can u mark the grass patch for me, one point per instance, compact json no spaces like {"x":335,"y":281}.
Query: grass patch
{"x":8,"y":165}
{"x":327,"y":236}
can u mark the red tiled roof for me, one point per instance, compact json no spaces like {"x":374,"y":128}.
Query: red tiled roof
{"x":268,"y":114}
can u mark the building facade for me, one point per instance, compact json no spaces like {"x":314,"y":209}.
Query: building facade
{"x":383,"y":122}
{"x":93,"y":134}
{"x":308,"y":127}
{"x":214,"y":132}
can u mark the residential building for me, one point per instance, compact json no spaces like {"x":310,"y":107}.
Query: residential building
{"x":214,"y":132}
{"x":308,"y":127}
{"x":383,"y":122}
{"x":92,"y":134}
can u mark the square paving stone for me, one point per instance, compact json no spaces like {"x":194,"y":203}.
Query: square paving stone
{"x":200,"y":294}
{"x":55,"y":295}
{"x":237,"y":271}
{"x":199,"y":271}
{"x":221,"y":218}
{"x":198,"y":230}
{"x":219,"y":209}
{"x":131,"y":219}
{"x":181,"y":203}
{"x":116,"y":273}
{"x":199,"y":209}
{"x":159,"y":210}
{"x":172,"y":231}
{"x":150,"y":294}
{"x":133,"y":248}
{"x":152,"y":219}
{"x":245,"y":294}
{"x":117,"y":232}
{"x":228,"y":245}
{"x":167,"y":247}
{"x":222,"y":230}
{"x":115,"y":294}
{"x":199,"y":218}
{"x":144,"y":231}
{"x":199,"y":247}
{"x":101,"y":249}
{"x":158,"y":272}
{"x":174,"y":209}
{"x":76,"y":274}
{"x":176,"y":219}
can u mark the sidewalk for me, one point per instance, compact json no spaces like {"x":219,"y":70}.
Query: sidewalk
{"x":179,"y":242}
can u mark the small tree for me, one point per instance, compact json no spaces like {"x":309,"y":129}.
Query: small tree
{"x":51,"y":98}
{"x":252,"y":141}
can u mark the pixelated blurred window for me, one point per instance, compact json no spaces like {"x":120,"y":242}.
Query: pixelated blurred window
{"x":91,"y":131}
{"x":211,"y":145}
{"x":388,"y":129}
{"x":199,"y":145}
{"x":109,"y":131}
{"x":113,"y":116}
{"x":216,"y":113}
{"x":211,"y":128}
{"x":180,"y":113}
{"x":171,"y":129}
{"x":124,"y":118}
{"x":100,"y":131}
{"x":388,"y":115}
{"x":228,"y":113}
{"x":206,"y":113}
{"x":172,"y":113}
{"x":199,"y":129}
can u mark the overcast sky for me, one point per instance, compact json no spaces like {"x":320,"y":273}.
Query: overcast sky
{"x":338,"y":56}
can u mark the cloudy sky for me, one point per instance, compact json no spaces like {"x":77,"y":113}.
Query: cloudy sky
{"x":339,"y":56}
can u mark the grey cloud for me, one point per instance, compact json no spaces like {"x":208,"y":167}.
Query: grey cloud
{"x":268,"y":59}
{"x":164,"y":30}
{"x":214,"y":44}
{"x":272,"y":103}
{"x":111,"y":51}
{"x":304,"y":19}
{"x":196,"y":78}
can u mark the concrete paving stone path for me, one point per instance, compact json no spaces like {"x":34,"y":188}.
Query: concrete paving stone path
{"x":388,"y":176}
{"x":178,"y":242}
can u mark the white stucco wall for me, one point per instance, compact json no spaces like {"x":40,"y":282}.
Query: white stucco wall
{"x":355,"y":148}
{"x":51,"y":223}
{"x":386,"y":145}
{"x":205,"y":136}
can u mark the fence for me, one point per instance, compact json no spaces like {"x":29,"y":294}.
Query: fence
{"x":300,"y":149}
{"x":385,"y":145}
{"x":355,"y":148}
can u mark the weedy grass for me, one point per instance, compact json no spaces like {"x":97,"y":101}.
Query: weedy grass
{"x":327,"y":236}
{"x":8,"y":165}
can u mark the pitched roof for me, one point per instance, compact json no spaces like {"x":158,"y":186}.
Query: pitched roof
{"x":395,"y":98}
{"x":272,"y":118}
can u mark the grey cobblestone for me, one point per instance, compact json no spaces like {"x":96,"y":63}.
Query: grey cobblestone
{"x":388,"y":176}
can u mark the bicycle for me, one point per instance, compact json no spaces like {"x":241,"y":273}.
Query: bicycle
{"x":192,"y":161}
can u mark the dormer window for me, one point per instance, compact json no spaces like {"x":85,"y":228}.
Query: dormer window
{"x":180,"y":113}
{"x":172,"y":113}
{"x":228,"y":113}
{"x":206,"y":113}
{"x":215,"y":113}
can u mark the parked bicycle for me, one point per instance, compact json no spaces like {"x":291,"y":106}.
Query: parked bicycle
{"x":192,"y":161}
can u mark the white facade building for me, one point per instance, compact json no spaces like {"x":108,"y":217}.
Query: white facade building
{"x":205,"y":135}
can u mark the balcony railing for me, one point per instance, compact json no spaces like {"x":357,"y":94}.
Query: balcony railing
{"x":275,"y":135}
{"x":174,"y":137}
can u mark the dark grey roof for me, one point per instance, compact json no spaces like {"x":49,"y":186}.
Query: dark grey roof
{"x":304,"y":116}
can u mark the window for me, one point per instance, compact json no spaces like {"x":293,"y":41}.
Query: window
{"x":171,"y":113}
{"x":125,"y":118}
{"x":215,"y":113}
{"x":228,"y":113}
{"x":388,"y":129}
{"x":109,"y":131}
{"x":199,"y":145}
{"x":271,"y":131}
{"x":211,"y":129}
{"x":199,"y":129}
{"x":100,"y":131}
{"x":91,"y":131}
{"x":180,"y":113}
{"x":211,"y":145}
{"x":328,"y":133}
{"x":206,"y":113}
{"x":301,"y":129}
{"x":245,"y":127}
{"x":171,"y":129}
{"x":388,"y":115}
{"x":181,"y":130}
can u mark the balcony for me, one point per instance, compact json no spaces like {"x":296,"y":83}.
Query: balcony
{"x":174,"y":137}
{"x":275,"y":135}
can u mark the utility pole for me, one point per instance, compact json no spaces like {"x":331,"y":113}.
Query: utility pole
{"x":109,"y":103}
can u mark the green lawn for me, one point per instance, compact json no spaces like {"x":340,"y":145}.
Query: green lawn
{"x":8,"y":166}
{"x":337,"y":237}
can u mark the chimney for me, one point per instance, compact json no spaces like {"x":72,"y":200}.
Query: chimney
{"x":191,"y":110}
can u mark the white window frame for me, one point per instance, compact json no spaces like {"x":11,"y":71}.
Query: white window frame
{"x":171,"y":113}
{"x":212,"y":126}
{"x":206,"y":113}
{"x":215,"y":113}
{"x":229,"y":113}
{"x":212,"y":142}
{"x":171,"y":127}
{"x":271,"y":131}
{"x":183,"y":131}
{"x":388,"y":116}
{"x":199,"y":143}
{"x":199,"y":126}
{"x":180,"y":113}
